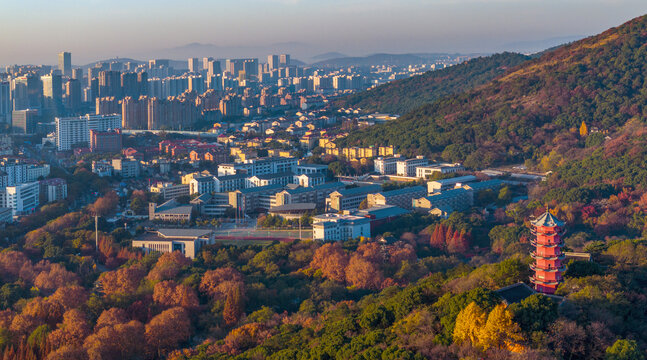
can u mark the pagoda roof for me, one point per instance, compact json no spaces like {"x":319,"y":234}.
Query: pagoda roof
{"x":547,"y":220}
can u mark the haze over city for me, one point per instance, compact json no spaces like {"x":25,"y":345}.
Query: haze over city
{"x":95,"y":29}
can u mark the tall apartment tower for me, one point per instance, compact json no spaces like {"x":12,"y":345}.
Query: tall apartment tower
{"x":205,"y":62}
{"x":5,"y":102}
{"x":73,"y":94}
{"x":65,"y":63}
{"x":284,"y":60}
{"x":194,"y":65}
{"x":548,"y":266}
{"x":213,"y":68}
{"x":272,"y":62}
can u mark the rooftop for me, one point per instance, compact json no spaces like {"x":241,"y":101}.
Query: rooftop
{"x":406,"y":190}
{"x":360,"y":190}
{"x":454,"y":180}
{"x":547,"y":220}
{"x":183,"y":233}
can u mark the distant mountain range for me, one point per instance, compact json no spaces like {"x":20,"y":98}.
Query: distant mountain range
{"x":531,"y":109}
{"x":407,"y":94}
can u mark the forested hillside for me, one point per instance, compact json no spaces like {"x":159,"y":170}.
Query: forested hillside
{"x":401,"y":96}
{"x":599,"y":80}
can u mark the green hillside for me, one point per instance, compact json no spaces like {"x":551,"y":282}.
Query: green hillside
{"x":400,"y":96}
{"x":524,"y":114}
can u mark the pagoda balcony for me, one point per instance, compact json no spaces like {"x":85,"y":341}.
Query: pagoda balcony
{"x":534,"y":267}
{"x":536,"y":232}
{"x":537,"y":281}
{"x":535,"y":243}
{"x":534,"y":255}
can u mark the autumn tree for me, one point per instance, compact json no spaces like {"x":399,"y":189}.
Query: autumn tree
{"x":234,"y":306}
{"x":117,"y":341}
{"x":584,"y":130}
{"x":111,"y":317}
{"x":70,"y":296}
{"x":168,"y":330}
{"x":122,"y":281}
{"x":219,"y":282}
{"x":332,"y":260}
{"x":168,"y":266}
{"x":500,"y":331}
{"x":624,"y":350}
{"x":55,"y":278}
{"x":105,"y":204}
{"x":170,"y":294}
{"x":363,"y":274}
{"x":72,"y":331}
{"x":469,"y":324}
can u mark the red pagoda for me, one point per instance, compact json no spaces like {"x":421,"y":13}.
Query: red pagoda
{"x":548,"y":255}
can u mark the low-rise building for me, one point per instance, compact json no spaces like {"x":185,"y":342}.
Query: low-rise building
{"x":53,"y":189}
{"x":23,"y":199}
{"x":126,"y":168}
{"x":349,"y":199}
{"x":458,"y":199}
{"x":337,"y":227}
{"x":309,"y":180}
{"x":253,"y":199}
{"x":407,"y":167}
{"x":386,"y":165}
{"x":311,"y":169}
{"x":283,"y":179}
{"x":169,"y":190}
{"x":205,"y":184}
{"x":6,"y":216}
{"x":425,"y":172}
{"x":299,"y":195}
{"x":170,"y":211}
{"x":437,"y":186}
{"x":212,"y":204}
{"x":105,"y":141}
{"x":102,"y":168}
{"x":35,"y":172}
{"x":187,"y":241}
{"x":400,"y":197}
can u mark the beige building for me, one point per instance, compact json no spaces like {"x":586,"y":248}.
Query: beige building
{"x":401,"y":197}
{"x":187,"y":241}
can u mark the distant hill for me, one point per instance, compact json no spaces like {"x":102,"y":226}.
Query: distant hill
{"x":534,"y":108}
{"x":328,"y":56}
{"x":375,"y":59}
{"x":404,"y":95}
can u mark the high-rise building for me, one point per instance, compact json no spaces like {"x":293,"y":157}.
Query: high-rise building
{"x":73,"y":94}
{"x":196,"y":83}
{"x":250,"y":67}
{"x":52,"y":91}
{"x":205,"y":62}
{"x":27,"y":92}
{"x":548,"y":256}
{"x":213,"y":68}
{"x":22,"y":199}
{"x":110,"y":84}
{"x":142,"y":80}
{"x":194,"y":64}
{"x":77,"y":73}
{"x":284,"y":60}
{"x":73,"y":131}
{"x":129,"y":84}
{"x":5,"y":102}
{"x":134,"y":113}
{"x":25,"y":121}
{"x":105,"y":141}
{"x":65,"y":63}
{"x":272,"y":62}
{"x":107,"y":106}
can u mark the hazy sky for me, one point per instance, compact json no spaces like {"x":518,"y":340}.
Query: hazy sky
{"x":34,"y":31}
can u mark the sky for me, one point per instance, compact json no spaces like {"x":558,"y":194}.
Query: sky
{"x":34,"y":31}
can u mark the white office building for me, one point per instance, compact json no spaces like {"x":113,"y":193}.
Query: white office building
{"x":23,"y":199}
{"x":337,"y":227}
{"x":75,"y":130}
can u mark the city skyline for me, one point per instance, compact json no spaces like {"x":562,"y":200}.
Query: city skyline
{"x":302,"y":27}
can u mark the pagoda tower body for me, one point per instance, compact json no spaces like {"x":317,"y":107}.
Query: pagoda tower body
{"x":548,"y":257}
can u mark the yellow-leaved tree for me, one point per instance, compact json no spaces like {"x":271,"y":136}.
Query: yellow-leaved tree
{"x":500,"y":331}
{"x":469,"y":324}
{"x":583,"y":129}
